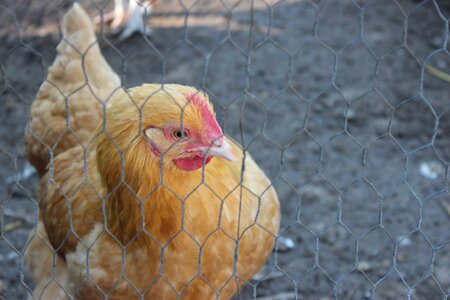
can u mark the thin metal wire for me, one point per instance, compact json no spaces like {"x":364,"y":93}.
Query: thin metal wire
{"x":321,"y":250}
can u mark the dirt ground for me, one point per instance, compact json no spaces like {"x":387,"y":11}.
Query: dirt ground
{"x":333,"y":100}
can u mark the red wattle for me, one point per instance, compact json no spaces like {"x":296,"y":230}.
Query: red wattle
{"x":191,"y":163}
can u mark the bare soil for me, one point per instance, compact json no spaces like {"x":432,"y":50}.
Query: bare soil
{"x":333,"y":100}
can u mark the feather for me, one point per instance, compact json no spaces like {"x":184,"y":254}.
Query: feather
{"x":124,"y":221}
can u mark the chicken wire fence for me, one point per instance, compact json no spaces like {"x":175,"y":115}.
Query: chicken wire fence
{"x":344,"y":105}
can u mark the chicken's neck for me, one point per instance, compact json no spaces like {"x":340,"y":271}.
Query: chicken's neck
{"x":148,"y":202}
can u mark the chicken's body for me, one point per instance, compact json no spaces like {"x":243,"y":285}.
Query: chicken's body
{"x":154,"y":229}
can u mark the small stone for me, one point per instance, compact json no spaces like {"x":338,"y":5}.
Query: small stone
{"x":431,"y":169}
{"x":264,"y":96}
{"x":28,"y":171}
{"x":401,"y":258}
{"x":405,"y":242}
{"x":364,"y":266}
{"x":386,"y":263}
{"x":351,"y":114}
{"x":285,"y":244}
{"x":441,"y":64}
{"x":351,"y":94}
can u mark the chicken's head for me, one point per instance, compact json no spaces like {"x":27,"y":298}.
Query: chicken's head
{"x":177,"y":125}
{"x":190,"y":136}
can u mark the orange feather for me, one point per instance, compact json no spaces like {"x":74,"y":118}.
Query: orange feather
{"x":126,"y":222}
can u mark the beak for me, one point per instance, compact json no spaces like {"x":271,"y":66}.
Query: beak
{"x":223,"y":150}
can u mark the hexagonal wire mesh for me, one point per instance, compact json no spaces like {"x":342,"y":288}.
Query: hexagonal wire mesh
{"x":344,"y":104}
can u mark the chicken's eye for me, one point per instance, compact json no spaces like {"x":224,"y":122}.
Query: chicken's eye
{"x":178,"y":134}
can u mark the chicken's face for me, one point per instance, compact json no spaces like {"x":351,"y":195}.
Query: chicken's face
{"x":189,"y":142}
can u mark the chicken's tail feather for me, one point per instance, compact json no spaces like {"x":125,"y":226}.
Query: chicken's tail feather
{"x":75,"y":20}
{"x":68,"y":106}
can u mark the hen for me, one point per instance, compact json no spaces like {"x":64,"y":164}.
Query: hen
{"x":150,"y":200}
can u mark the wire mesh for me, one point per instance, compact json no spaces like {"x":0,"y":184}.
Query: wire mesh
{"x":344,"y":105}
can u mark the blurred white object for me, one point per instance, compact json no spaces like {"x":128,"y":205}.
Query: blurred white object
{"x":280,"y":296}
{"x":128,"y":17}
{"x":364,"y":266}
{"x":406,"y":241}
{"x":285,"y":244}
{"x":431,"y":169}
{"x":28,"y":171}
{"x":8,"y":256}
{"x":266,"y":273}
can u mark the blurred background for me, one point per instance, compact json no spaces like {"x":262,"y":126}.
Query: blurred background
{"x":344,"y":104}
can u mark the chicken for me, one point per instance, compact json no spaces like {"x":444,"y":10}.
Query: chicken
{"x":79,"y":78}
{"x":148,"y":199}
{"x":128,"y":17}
